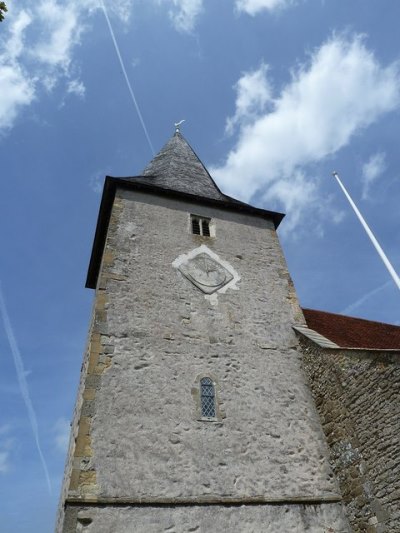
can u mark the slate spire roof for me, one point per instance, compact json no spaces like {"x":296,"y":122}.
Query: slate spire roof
{"x":177,"y":167}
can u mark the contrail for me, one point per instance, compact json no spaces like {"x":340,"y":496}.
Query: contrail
{"x":23,"y":385}
{"x":378,"y":248}
{"x":364,"y":298}
{"x":126,"y":76}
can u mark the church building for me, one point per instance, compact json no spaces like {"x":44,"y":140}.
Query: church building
{"x":209,"y":401}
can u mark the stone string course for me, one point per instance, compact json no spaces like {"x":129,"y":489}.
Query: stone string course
{"x":357,"y":394}
{"x":212,"y":519}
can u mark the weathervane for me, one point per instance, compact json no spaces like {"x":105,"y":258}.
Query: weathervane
{"x":177,"y":124}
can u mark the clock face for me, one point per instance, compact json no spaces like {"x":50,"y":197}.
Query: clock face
{"x":206,"y":273}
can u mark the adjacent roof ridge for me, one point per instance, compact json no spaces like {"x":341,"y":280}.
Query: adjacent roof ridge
{"x":353,"y":332}
{"x":341,"y":315}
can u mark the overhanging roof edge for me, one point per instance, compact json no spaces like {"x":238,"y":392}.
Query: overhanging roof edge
{"x":100,"y":235}
{"x":230,"y":203}
{"x":107,"y":200}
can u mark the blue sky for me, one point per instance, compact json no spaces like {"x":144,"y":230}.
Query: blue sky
{"x":276,"y":95}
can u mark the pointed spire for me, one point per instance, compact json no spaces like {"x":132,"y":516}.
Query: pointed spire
{"x":177,"y":167}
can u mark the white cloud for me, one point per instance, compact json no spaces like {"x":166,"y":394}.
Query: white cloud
{"x":21,"y":63}
{"x":122,"y":9}
{"x":184,"y":13}
{"x":49,"y":81}
{"x":62,"y":27}
{"x":373,"y":169}
{"x":341,"y":90}
{"x":16,"y":90}
{"x":253,"y":7}
{"x":298,"y":193}
{"x":76,"y":87}
{"x":253,"y":94}
{"x":61,"y":31}
{"x":26,"y":68}
{"x":15,"y":41}
{"x":62,"y":430}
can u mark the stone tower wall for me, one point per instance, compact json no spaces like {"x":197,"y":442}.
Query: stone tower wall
{"x":139,"y":439}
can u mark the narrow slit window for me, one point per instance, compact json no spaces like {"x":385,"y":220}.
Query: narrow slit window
{"x":207,"y":394}
{"x":200,"y":226}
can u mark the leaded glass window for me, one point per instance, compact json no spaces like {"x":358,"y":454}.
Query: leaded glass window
{"x":207,"y":394}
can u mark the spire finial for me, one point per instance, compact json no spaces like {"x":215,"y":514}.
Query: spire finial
{"x":177,"y":124}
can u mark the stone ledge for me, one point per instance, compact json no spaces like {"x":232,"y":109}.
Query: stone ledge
{"x":205,"y":500}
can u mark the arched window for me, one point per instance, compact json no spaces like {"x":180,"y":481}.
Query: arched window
{"x":207,"y":395}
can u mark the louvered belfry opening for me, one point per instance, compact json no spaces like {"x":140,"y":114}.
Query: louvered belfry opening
{"x":205,"y":226}
{"x":200,"y":226}
{"x":196,"y":226}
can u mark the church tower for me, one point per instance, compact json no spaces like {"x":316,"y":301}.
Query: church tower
{"x":193,"y":413}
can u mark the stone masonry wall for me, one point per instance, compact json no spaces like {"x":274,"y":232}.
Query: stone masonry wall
{"x":138,"y":437}
{"x":71,"y":463}
{"x":357,"y":394}
{"x":80,"y":475}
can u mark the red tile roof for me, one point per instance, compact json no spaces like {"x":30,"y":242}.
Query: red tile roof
{"x":350,"y":332}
